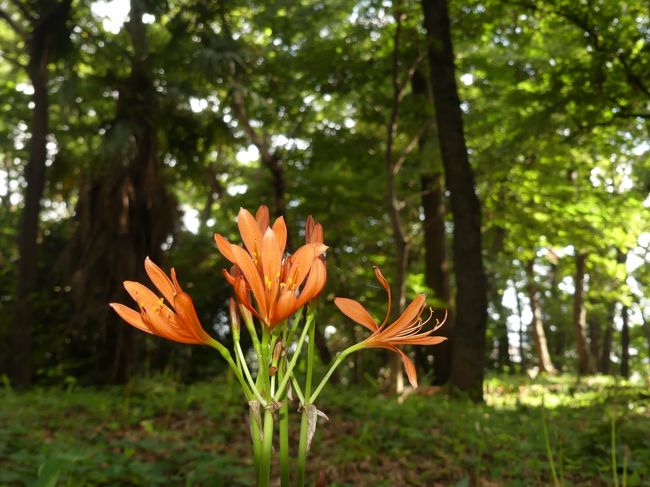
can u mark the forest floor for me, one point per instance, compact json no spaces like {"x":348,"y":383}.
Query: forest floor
{"x":157,"y":432}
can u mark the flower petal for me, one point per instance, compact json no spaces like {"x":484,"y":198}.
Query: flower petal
{"x":262,"y":217}
{"x":253,"y":278}
{"x":410,"y":315}
{"x":224,"y":247}
{"x":131,"y":316}
{"x":314,"y":284}
{"x":280,"y":230}
{"x":160,"y":280}
{"x":356,"y":312}
{"x":250,"y":231}
{"x":187,"y":313}
{"x":382,"y":280}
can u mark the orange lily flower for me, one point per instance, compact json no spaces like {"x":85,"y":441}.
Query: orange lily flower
{"x":180,"y":324}
{"x":405,"y":330}
{"x":280,"y":284}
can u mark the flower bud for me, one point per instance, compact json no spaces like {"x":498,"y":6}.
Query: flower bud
{"x":235,"y":323}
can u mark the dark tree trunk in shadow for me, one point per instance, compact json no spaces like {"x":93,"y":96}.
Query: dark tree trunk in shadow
{"x":593,"y":322}
{"x":437,"y":268}
{"x":40,"y":42}
{"x":123,"y":216}
{"x":625,"y":343}
{"x":544,"y":361}
{"x":468,"y":358}
{"x":605,"y":361}
{"x":585,"y":360}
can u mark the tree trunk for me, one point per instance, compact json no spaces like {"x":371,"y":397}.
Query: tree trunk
{"x":437,"y":268}
{"x":593,"y":323}
{"x":468,"y":358}
{"x":585,"y":360}
{"x":123,"y":215}
{"x":23,"y":319}
{"x":537,"y":326}
{"x":625,"y":343}
{"x":39,"y":46}
{"x":605,"y":361}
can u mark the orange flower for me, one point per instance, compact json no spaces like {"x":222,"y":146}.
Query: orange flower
{"x":155,"y":317}
{"x":280,"y":285}
{"x":405,"y":330}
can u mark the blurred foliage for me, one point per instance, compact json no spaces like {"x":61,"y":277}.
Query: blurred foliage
{"x":555,"y":95}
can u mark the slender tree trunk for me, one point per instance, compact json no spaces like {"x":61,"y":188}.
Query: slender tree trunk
{"x":585,"y":360}
{"x":593,"y":323}
{"x":605,"y":361}
{"x":437,"y":267}
{"x":468,"y":358}
{"x":50,"y":23}
{"x":23,"y":319}
{"x":544,"y":361}
{"x":625,"y":343}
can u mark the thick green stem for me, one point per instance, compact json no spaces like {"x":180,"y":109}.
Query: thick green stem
{"x":302,"y":451}
{"x":285,"y":460}
{"x":302,"y":445}
{"x":257,"y":444}
{"x":267,"y":449}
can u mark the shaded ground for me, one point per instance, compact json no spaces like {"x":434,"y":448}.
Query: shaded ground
{"x":160,"y":433}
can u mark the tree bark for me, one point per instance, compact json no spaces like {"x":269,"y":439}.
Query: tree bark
{"x":544,"y":361}
{"x":593,"y":323}
{"x":585,"y":360}
{"x":468,"y":358}
{"x":625,"y":343}
{"x":39,"y":45}
{"x":123,"y":215}
{"x":437,"y":267}
{"x":605,"y":361}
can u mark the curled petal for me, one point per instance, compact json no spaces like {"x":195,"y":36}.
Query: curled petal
{"x":355,"y":311}
{"x":314,"y":284}
{"x":187,"y":313}
{"x":159,"y":279}
{"x":280,"y":231}
{"x":131,"y":316}
{"x":408,"y":317}
{"x":249,"y":230}
{"x":384,"y":283}
{"x":224,"y":247}
{"x":262,"y":218}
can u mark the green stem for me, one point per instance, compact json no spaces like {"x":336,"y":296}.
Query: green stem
{"x":257,"y":444}
{"x":302,"y":451}
{"x":297,"y":390}
{"x":342,"y":356}
{"x":614,"y":462}
{"x":296,"y":355}
{"x":284,"y":439}
{"x":549,"y":453}
{"x":228,"y":358}
{"x":242,"y":359}
{"x":302,"y":445}
{"x":267,"y":448}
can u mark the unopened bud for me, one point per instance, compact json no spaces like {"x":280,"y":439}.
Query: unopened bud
{"x":235,"y":323}
{"x":277,"y":351}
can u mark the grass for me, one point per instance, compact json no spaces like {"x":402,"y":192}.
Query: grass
{"x":157,"y":432}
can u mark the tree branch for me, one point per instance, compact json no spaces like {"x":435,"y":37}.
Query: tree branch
{"x":13,"y":24}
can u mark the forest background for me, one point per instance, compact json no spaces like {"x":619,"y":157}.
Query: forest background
{"x":506,"y":176}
